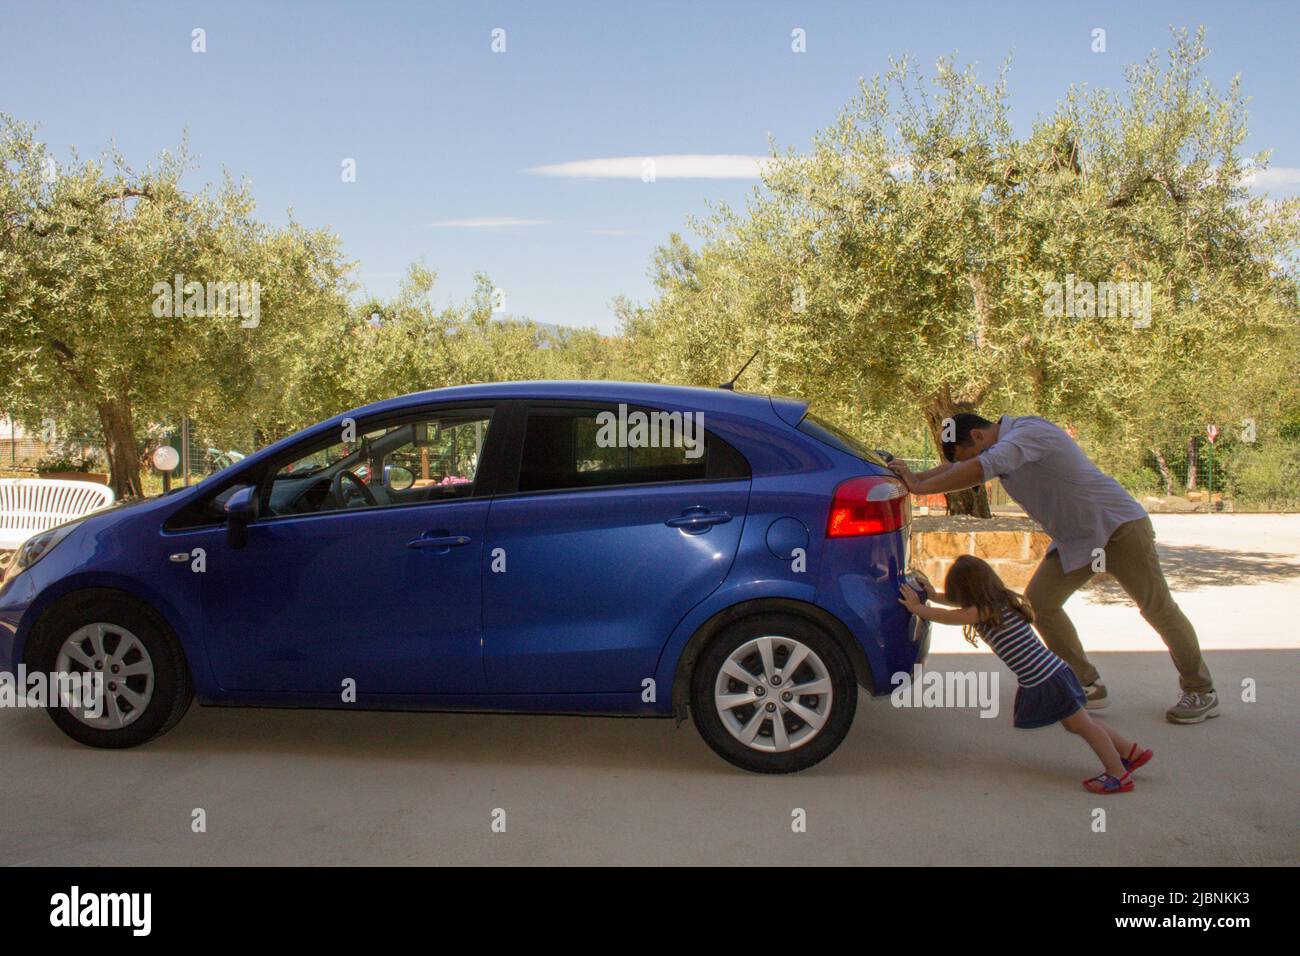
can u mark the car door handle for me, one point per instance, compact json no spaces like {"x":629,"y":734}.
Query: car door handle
{"x":442,"y":541}
{"x":696,"y":522}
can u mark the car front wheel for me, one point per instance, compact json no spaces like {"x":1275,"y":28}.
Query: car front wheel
{"x":141,"y":684}
{"x":773,"y":694}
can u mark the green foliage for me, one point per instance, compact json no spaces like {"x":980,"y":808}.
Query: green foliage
{"x":1140,"y":481}
{"x":99,"y":330}
{"x":1265,"y":475}
{"x":381,"y":349}
{"x":905,"y":263}
{"x":67,"y":459}
{"x":84,"y":330}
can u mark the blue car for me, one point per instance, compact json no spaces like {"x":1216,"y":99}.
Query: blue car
{"x":542,"y":547}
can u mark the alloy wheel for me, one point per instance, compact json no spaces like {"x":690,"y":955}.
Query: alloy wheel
{"x":127,"y":669}
{"x":773,"y":694}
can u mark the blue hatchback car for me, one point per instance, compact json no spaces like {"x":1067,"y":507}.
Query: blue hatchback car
{"x":545,"y":547}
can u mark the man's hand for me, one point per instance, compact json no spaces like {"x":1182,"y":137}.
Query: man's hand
{"x":910,"y":481}
{"x":953,"y":477}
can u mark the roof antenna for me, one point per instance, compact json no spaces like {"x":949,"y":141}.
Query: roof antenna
{"x":731,"y":386}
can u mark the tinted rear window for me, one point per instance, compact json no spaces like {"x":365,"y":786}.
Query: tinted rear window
{"x":562,"y":450}
{"x":828,"y":434}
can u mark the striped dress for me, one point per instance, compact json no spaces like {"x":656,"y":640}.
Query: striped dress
{"x":1013,"y":639}
{"x":1048,"y":692}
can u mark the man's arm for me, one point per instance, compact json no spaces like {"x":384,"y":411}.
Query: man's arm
{"x":931,"y":472}
{"x":899,"y":467}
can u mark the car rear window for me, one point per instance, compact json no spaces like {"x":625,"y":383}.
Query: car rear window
{"x":828,"y":434}
{"x":562,"y":450}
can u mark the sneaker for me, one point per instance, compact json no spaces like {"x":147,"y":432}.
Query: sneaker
{"x":1194,"y":707}
{"x":1096,"y":693}
{"x":1105,"y":783}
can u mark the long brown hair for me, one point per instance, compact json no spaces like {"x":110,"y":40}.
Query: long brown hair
{"x":971,"y":582}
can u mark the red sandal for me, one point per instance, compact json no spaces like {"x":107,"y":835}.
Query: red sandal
{"x":1105,"y":783}
{"x":1137,"y":759}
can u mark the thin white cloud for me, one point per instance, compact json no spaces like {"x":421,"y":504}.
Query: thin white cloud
{"x":488,"y":222}
{"x":1276,"y":177}
{"x":673,"y":166}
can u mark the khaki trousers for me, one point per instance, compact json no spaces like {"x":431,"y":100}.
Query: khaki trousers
{"x":1131,"y":558}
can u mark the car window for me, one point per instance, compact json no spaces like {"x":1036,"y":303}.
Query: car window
{"x":322,"y":459}
{"x":440,"y":452}
{"x":435,"y":458}
{"x":828,"y":434}
{"x":590,"y":447}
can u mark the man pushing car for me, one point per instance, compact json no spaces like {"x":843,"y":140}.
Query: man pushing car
{"x":1088,"y":514}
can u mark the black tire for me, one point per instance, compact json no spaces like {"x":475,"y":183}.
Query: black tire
{"x":842,"y":705}
{"x":172,"y":690}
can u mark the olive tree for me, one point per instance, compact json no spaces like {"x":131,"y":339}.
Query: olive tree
{"x":125,"y":297}
{"x":1107,"y":266}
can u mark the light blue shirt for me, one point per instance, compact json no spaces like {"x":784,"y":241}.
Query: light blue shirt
{"x":1043,"y":469}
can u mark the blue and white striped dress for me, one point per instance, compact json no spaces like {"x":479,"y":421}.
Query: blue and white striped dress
{"x":1049,"y":691}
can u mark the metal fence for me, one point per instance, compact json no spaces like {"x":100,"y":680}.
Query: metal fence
{"x":197,"y":455}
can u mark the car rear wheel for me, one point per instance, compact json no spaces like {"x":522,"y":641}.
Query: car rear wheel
{"x":773,"y":694}
{"x":134,"y":662}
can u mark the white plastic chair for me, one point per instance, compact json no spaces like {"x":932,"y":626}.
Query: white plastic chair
{"x":31,"y":505}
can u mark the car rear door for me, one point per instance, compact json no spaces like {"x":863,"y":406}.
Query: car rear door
{"x":597,"y":551}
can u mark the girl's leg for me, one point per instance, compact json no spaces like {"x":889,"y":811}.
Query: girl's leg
{"x":1086,"y":727}
{"x":1122,"y":744}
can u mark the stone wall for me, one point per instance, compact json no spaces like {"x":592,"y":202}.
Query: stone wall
{"x":1013,"y":546}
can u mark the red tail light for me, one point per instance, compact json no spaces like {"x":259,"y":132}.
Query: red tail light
{"x":872,"y":504}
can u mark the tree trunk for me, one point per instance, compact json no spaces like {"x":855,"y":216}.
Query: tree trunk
{"x":119,"y":442}
{"x":1164,"y":471}
{"x":972,"y":501}
{"x":1191,"y":463}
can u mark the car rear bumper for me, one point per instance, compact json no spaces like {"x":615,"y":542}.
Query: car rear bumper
{"x":920,"y":634}
{"x":858,"y":582}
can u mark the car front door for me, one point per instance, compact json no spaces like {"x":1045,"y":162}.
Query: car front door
{"x":598,"y":551}
{"x":347,"y":579}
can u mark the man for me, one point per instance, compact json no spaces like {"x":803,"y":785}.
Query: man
{"x":1088,"y":514}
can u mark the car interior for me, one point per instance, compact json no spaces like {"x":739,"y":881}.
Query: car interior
{"x":433,"y":459}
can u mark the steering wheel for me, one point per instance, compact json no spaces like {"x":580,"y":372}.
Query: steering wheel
{"x":340,"y":496}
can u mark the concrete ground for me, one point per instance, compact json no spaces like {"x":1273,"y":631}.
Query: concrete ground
{"x":939,"y":786}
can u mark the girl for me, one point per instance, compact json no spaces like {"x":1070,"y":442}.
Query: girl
{"x":1049,"y":692}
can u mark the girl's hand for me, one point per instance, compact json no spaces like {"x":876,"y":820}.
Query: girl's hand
{"x":907,"y":597}
{"x":925,"y":583}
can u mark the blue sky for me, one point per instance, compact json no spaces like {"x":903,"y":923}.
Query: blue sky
{"x":448,"y":136}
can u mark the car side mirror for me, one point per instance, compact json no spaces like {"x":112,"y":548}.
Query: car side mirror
{"x":241,"y":511}
{"x":398,"y":478}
